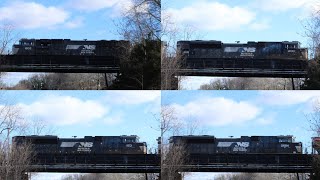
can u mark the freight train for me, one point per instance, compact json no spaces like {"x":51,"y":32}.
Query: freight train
{"x":199,"y":53}
{"x":243,"y":145}
{"x":88,"y":145}
{"x":69,"y":47}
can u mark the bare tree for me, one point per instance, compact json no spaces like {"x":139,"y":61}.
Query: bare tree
{"x":312,"y":32}
{"x":172,"y":59}
{"x":14,"y":160}
{"x":314,"y":118}
{"x":173,"y":156}
{"x":260,"y":176}
{"x":314,"y":122}
{"x":141,"y":21}
{"x":65,"y":81}
{"x":123,"y":176}
{"x":170,"y":64}
{"x":241,"y":83}
{"x":7,"y":36}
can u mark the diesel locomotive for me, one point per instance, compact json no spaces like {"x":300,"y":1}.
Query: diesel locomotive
{"x":243,"y":145}
{"x":197,"y":54}
{"x":69,"y":47}
{"x":87,"y":145}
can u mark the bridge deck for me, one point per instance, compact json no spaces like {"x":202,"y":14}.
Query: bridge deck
{"x":150,"y":163}
{"x":239,"y":67}
{"x":59,"y":63}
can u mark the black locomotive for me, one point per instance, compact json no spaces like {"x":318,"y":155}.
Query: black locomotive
{"x":69,"y":47}
{"x":242,"y":145}
{"x":198,"y":53}
{"x":87,"y":145}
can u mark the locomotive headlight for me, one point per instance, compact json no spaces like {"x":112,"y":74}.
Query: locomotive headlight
{"x":143,"y":149}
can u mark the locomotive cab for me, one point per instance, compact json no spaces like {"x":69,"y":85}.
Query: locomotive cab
{"x":25,"y":47}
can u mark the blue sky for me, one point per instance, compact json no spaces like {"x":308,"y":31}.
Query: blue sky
{"x":245,"y":113}
{"x":230,"y":21}
{"x":70,"y":19}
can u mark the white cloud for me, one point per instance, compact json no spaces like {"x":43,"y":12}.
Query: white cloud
{"x":133,"y":97}
{"x":260,"y":26}
{"x":207,"y":15}
{"x":95,"y":5}
{"x":267,"y":119}
{"x":75,"y":23}
{"x":285,"y":98}
{"x":218,"y":111}
{"x":114,"y":119}
{"x":282,"y":5}
{"x":29,"y":15}
{"x":65,"y":110}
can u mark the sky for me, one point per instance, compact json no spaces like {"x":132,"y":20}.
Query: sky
{"x":245,"y":113}
{"x":230,"y":21}
{"x":89,"y":113}
{"x":56,"y":19}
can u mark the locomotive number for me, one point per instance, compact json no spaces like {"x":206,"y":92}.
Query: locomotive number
{"x":27,"y":48}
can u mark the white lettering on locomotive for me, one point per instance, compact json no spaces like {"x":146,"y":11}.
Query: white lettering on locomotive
{"x":241,"y":146}
{"x":85,"y":146}
{"x":285,"y":146}
{"x":224,"y":144}
{"x":240,"y":49}
{"x":238,"y":146}
{"x":68,"y":144}
{"x":86,"y":47}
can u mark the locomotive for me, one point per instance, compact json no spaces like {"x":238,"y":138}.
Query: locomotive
{"x":69,"y":47}
{"x":198,"y":52}
{"x":88,"y":145}
{"x":243,"y":145}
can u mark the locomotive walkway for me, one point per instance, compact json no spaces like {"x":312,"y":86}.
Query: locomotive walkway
{"x":150,"y":163}
{"x":236,"y":67}
{"x":59,"y":63}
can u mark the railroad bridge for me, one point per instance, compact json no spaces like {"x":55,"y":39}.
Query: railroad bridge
{"x":59,"y":63}
{"x":150,"y":163}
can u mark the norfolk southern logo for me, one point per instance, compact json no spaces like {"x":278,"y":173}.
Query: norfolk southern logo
{"x":85,"y":146}
{"x":241,"y":146}
{"x":84,"y":49}
{"x":87,"y":47}
{"x":243,"y":51}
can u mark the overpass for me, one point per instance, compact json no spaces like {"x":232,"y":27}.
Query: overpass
{"x":82,"y":163}
{"x":150,"y":163}
{"x":240,"y":67}
{"x":269,"y":163}
{"x":59,"y":63}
